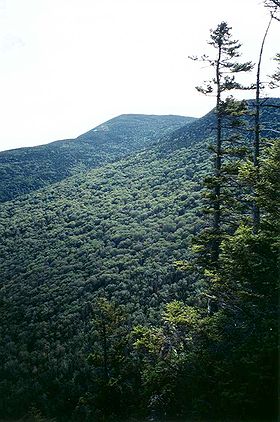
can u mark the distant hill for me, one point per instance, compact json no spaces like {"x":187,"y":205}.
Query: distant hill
{"x":27,"y":169}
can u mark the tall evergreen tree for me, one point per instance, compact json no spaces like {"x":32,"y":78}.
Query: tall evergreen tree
{"x":225,"y":66}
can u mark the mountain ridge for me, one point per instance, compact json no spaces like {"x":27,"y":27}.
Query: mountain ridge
{"x":26,"y":169}
{"x":204,"y":127}
{"x":136,"y":117}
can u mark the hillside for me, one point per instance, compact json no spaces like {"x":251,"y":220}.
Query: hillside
{"x":112,"y":232}
{"x":26,"y":169}
{"x":204,"y":128}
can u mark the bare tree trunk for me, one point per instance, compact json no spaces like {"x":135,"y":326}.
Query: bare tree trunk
{"x":257,"y":130}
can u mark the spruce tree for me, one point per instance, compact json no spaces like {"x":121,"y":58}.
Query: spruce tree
{"x":225,"y":67}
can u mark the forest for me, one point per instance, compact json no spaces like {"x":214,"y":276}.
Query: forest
{"x":140,"y":262}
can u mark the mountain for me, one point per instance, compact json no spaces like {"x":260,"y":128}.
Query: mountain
{"x":204,"y":128}
{"x":26,"y":169}
{"x":115,"y":232}
{"x":112,"y":232}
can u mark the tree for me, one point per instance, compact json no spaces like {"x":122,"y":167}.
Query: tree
{"x":274,"y":7}
{"x":167,"y":352}
{"x":225,"y":67}
{"x":112,"y":370}
{"x":247,"y":288}
{"x":275,"y":77}
{"x":241,"y":355}
{"x":257,"y":126}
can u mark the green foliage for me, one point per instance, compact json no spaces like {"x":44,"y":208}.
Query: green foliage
{"x":224,"y":63}
{"x":105,"y":315}
{"x":29,"y":169}
{"x":179,"y":314}
{"x":275,"y":77}
{"x":115,"y":233}
{"x":268,"y":186}
{"x":245,"y":287}
{"x":229,"y":113}
{"x":112,"y":373}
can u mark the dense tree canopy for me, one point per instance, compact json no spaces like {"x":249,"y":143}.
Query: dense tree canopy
{"x":110,"y":307}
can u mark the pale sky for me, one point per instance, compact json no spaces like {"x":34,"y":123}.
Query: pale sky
{"x":68,"y":65}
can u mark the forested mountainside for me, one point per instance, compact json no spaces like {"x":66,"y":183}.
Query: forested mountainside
{"x":204,"y":127}
{"x":96,"y":301}
{"x":26,"y":169}
{"x":113,"y":232}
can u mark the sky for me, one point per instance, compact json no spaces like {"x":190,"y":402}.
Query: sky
{"x":67,"y":66}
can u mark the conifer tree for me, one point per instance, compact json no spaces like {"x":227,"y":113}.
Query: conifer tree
{"x":275,"y":77}
{"x":226,"y":67}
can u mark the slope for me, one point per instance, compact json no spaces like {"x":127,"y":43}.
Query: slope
{"x":204,"y":128}
{"x":26,"y":169}
{"x":112,"y":232}
{"x":115,"y":232}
